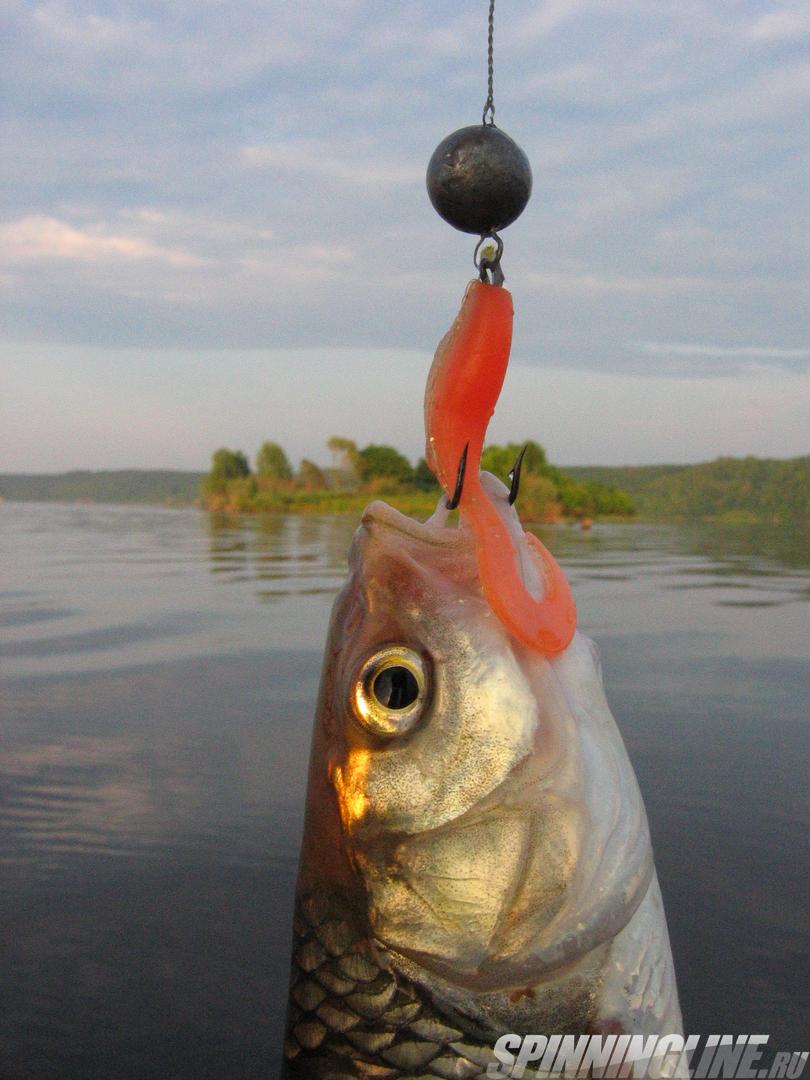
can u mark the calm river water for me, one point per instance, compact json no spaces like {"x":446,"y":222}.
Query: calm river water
{"x":160,"y":671}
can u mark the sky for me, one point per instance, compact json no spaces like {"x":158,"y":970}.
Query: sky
{"x":214,"y":226}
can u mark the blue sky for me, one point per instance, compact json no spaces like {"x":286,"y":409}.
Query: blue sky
{"x":215,"y":230}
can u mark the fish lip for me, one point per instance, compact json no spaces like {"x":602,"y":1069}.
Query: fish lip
{"x":433,"y":531}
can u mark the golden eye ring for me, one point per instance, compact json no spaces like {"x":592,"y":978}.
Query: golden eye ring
{"x":391,"y":691}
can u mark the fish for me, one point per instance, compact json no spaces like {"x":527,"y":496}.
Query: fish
{"x":476,"y":857}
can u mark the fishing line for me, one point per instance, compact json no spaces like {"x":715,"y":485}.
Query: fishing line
{"x":489,"y":105}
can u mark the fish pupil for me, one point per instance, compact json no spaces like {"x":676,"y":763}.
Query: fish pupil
{"x":396,"y":688}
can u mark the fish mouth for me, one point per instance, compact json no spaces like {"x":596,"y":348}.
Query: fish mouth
{"x":433,"y":531}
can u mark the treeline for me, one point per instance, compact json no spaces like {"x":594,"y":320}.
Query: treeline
{"x":729,"y":489}
{"x":170,"y":487}
{"x":546,"y":492}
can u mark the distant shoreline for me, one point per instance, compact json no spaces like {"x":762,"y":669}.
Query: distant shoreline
{"x":743,"y":490}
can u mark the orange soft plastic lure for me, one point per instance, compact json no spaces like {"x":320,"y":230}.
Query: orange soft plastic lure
{"x":463,"y":387}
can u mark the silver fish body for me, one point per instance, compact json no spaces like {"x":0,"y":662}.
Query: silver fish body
{"x":476,"y":857}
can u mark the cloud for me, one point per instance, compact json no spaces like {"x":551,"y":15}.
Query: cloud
{"x":318,"y":158}
{"x":681,"y":359}
{"x":787,"y":24}
{"x":769,"y":96}
{"x":38,"y":238}
{"x":732,"y":352}
{"x":543,"y":20}
{"x":80,"y":29}
{"x":570,"y":81}
{"x":299,"y":263}
{"x":595,"y":283}
{"x":750,"y":359}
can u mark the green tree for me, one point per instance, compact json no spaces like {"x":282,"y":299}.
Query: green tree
{"x":384,"y":461}
{"x":346,"y":473}
{"x":310,"y":476}
{"x":544,"y":487}
{"x":229,"y":464}
{"x":538,"y":498}
{"x":227,"y":467}
{"x":272,"y":465}
{"x":501,"y":459}
{"x":240,"y":494}
{"x":423,"y":478}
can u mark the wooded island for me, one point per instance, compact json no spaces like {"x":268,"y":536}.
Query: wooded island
{"x":377,"y":471}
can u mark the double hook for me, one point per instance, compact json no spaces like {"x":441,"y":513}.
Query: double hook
{"x":514,"y":476}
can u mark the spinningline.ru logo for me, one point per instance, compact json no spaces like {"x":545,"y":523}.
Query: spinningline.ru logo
{"x":709,"y":1057}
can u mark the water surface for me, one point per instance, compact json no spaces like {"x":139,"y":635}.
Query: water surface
{"x":160,"y":671}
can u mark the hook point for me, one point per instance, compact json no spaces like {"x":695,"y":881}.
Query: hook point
{"x":514,"y":476}
{"x":462,"y":468}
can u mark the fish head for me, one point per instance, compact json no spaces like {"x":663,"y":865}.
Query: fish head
{"x":475,"y":792}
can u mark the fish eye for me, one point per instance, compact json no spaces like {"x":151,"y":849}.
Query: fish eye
{"x":390,"y":691}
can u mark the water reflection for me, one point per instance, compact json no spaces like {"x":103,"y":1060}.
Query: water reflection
{"x":302,"y":554}
{"x":160,"y":673}
{"x":704,"y":556}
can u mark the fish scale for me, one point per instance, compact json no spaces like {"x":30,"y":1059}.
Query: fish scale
{"x":349,"y":1017}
